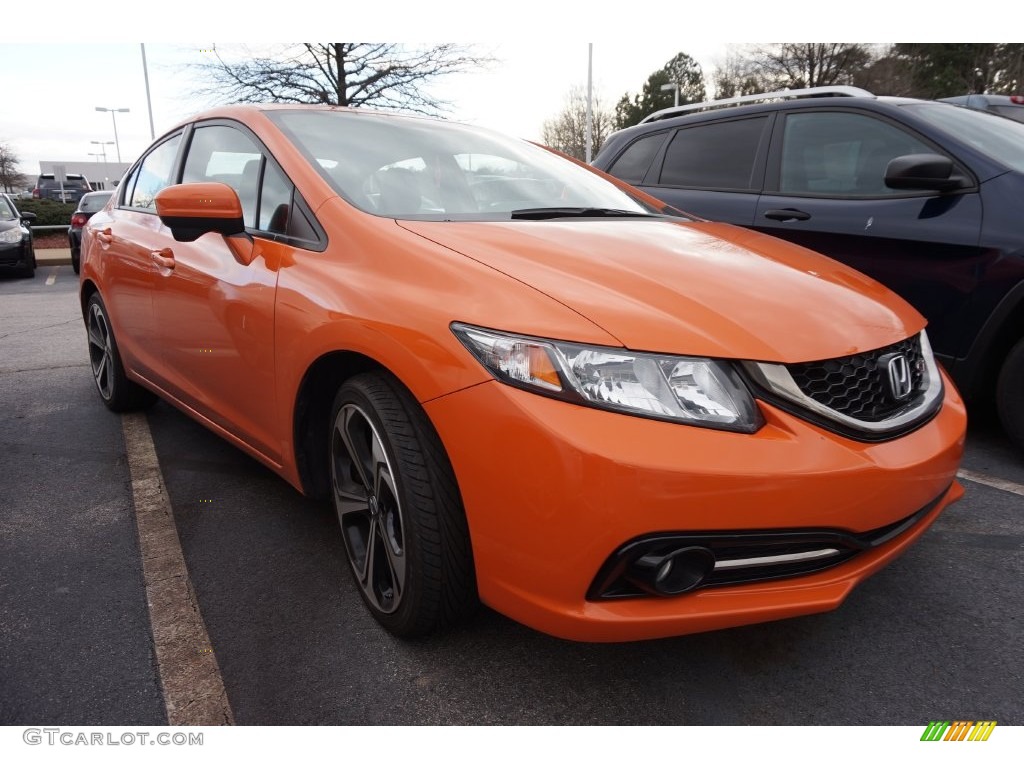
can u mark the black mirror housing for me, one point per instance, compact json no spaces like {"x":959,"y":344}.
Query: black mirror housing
{"x":923,"y":172}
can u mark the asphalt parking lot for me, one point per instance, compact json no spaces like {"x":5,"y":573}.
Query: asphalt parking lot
{"x":936,"y":635}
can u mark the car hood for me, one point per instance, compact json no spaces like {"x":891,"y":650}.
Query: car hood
{"x":694,"y":288}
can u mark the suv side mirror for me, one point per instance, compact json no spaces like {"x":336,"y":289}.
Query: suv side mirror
{"x":192,"y":210}
{"x":28,"y":216}
{"x":923,"y":172}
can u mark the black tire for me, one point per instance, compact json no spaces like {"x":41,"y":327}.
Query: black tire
{"x":401,"y":514}
{"x":1010,"y":394}
{"x":76,"y":259}
{"x":118,"y":393}
{"x":29,"y":270}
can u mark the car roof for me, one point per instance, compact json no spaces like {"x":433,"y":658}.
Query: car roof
{"x":247,"y":112}
{"x":724,"y":109}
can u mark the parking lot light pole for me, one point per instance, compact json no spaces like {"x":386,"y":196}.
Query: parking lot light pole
{"x":113,"y":116}
{"x":672,"y":87}
{"x":103,"y":148}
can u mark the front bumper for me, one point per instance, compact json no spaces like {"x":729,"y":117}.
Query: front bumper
{"x":15,"y":254}
{"x":551,"y":490}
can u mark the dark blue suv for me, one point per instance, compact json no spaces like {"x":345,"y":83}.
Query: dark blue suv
{"x":927,"y":198}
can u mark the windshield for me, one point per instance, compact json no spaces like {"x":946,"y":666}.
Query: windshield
{"x":6,"y":211}
{"x":994,"y":136}
{"x":413,"y":168}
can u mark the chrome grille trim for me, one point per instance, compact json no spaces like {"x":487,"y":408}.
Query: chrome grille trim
{"x":777,"y":380}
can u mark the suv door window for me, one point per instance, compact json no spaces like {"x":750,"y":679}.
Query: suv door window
{"x":154,"y":174}
{"x":718,"y":155}
{"x":842,"y":154}
{"x":632,"y":164}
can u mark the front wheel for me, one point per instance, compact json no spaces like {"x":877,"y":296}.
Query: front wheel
{"x":399,"y":507}
{"x":1010,"y":394}
{"x":29,"y":270}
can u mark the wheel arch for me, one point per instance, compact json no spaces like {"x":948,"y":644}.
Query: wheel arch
{"x":312,"y":411}
{"x":85,"y":293}
{"x":976,"y":374}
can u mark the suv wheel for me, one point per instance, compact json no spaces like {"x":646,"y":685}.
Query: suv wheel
{"x":1010,"y":394}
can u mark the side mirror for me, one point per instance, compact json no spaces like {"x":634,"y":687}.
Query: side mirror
{"x":28,"y":216}
{"x":192,"y":210}
{"x":923,"y":172}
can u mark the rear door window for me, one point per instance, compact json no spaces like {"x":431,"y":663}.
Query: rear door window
{"x":720,"y":155}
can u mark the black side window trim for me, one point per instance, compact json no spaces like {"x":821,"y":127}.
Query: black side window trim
{"x":773,"y":173}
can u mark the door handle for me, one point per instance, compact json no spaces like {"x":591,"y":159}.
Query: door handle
{"x":164,"y":258}
{"x":787,"y":214}
{"x":105,"y":236}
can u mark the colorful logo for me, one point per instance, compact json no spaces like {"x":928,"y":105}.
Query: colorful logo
{"x":958,"y":730}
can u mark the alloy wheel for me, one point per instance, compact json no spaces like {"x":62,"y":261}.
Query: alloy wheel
{"x":101,"y":354}
{"x":369,"y":510}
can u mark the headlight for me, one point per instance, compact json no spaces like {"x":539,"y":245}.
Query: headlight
{"x":689,"y":390}
{"x":11,"y":235}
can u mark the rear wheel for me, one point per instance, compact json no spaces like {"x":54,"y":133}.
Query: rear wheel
{"x":1010,"y":394}
{"x":76,"y":259}
{"x":116,"y":390}
{"x":398,"y":504}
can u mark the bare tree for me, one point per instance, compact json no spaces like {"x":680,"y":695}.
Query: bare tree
{"x":382,"y":75}
{"x":568,"y":131}
{"x":10,"y":178}
{"x":808,"y":65}
{"x":739,"y":74}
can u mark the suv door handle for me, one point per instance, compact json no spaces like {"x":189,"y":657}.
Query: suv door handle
{"x":787,"y":214}
{"x":164,"y":258}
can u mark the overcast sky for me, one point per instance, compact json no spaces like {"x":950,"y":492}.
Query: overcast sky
{"x":91,"y":58}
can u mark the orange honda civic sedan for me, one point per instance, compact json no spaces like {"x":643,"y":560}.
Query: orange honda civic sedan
{"x":520,"y":382}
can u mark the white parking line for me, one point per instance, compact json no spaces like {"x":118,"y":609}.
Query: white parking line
{"x":53,"y":277}
{"x":992,"y":482}
{"x":189,"y":676}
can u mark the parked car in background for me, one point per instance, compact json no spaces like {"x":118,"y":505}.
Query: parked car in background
{"x":87,"y":206}
{"x":1007,"y":106}
{"x":49,"y":188}
{"x":16,"y":251}
{"x":516,"y":380}
{"x":923,"y":196}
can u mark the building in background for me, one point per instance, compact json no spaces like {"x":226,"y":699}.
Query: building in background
{"x":100,"y":175}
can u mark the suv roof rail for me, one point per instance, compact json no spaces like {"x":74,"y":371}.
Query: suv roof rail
{"x":796,"y":93}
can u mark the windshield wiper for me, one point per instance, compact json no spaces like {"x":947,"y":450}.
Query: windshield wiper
{"x":579,"y":213}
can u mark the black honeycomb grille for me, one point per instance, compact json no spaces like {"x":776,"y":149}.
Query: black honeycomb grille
{"x":858,"y":386}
